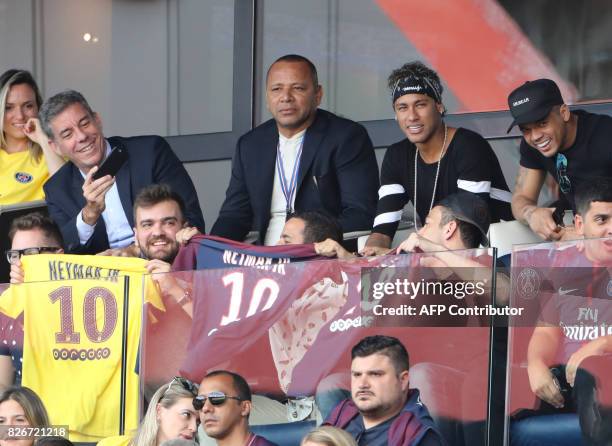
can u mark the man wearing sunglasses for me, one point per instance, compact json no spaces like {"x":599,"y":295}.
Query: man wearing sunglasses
{"x":224,"y":403}
{"x":29,"y":234}
{"x":569,"y":145}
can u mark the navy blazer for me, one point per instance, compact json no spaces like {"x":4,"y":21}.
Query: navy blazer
{"x":150,"y":160}
{"x":338,"y":173}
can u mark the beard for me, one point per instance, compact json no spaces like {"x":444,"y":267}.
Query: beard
{"x":167,"y":254}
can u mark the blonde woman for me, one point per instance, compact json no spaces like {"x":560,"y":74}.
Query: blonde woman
{"x":26,"y":160}
{"x":328,"y":436}
{"x":170,"y":415}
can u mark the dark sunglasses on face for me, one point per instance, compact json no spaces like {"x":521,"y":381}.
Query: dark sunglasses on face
{"x":215,"y":398}
{"x":15,"y":254}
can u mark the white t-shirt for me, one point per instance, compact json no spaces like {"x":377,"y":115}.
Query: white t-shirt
{"x":289,"y":148}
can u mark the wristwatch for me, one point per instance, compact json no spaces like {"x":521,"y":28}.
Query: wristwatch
{"x":185,"y":299}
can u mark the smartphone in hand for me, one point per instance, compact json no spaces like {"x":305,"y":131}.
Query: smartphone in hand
{"x":112,"y":163}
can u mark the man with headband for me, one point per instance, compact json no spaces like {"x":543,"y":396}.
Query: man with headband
{"x":433,"y":161}
{"x":303,"y":159}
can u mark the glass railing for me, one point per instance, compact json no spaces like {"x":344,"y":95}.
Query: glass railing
{"x":287,"y":328}
{"x":560,"y":352}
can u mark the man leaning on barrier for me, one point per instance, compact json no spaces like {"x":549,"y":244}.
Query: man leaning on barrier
{"x":570,"y":352}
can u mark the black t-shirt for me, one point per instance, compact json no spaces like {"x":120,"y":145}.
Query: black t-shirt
{"x":469,"y":164}
{"x":589,"y":156}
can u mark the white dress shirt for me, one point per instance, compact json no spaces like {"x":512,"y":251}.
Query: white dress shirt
{"x":289,"y":148}
{"x":118,"y":229}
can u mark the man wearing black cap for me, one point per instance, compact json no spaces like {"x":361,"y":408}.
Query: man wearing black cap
{"x":570,"y":145}
{"x":433,"y":161}
{"x":459,"y":221}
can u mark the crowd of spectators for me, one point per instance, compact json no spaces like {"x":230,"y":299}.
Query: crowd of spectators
{"x":306,"y":176}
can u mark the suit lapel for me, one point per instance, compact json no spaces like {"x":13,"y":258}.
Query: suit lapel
{"x":124,"y":187}
{"x":124,"y":182}
{"x":77,"y":186}
{"x":312,"y":140}
{"x":267,"y":161}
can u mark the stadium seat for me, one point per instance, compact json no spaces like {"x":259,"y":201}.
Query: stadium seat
{"x":284,"y":434}
{"x":504,"y":234}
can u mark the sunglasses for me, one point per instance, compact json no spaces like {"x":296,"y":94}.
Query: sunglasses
{"x":564,"y":182}
{"x":215,"y":398}
{"x":187,"y":385}
{"x":15,"y":254}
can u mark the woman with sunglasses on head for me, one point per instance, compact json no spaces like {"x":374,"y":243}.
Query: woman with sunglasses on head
{"x":21,"y":408}
{"x":26,"y":159}
{"x":170,"y":415}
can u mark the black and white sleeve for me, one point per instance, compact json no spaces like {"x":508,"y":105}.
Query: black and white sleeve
{"x":392,"y":195}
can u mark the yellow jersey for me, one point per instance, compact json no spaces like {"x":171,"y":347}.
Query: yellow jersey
{"x":21,"y":177}
{"x":74,"y":354}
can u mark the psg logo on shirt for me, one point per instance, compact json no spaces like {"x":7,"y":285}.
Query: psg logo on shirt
{"x":23,"y":177}
{"x":528,"y":283}
{"x":609,"y":288}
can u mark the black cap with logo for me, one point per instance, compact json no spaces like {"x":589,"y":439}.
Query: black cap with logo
{"x":470,"y":208}
{"x":533,"y":101}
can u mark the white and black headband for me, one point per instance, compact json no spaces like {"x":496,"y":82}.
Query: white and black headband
{"x":415,"y":84}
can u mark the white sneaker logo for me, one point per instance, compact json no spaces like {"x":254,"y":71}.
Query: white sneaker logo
{"x":563,"y":292}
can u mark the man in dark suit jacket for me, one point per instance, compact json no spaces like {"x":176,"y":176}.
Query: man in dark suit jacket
{"x":95,"y":214}
{"x":319,"y":162}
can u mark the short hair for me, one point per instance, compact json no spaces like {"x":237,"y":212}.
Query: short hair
{"x":243,"y":391}
{"x":56,"y":104}
{"x":383,"y":345}
{"x":416,"y":69}
{"x":154,"y":194}
{"x":319,"y":226}
{"x":37,"y":220}
{"x":33,"y":407}
{"x":7,"y":80}
{"x":296,"y":58}
{"x":53,"y":441}
{"x":469,"y":233}
{"x":329,"y":436}
{"x":593,"y":189}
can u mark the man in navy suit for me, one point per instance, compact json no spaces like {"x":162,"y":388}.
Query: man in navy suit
{"x":96,"y":214}
{"x":304,"y":159}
